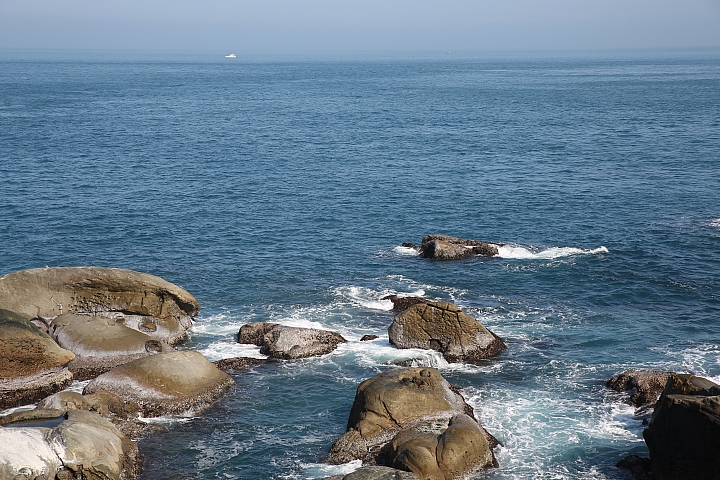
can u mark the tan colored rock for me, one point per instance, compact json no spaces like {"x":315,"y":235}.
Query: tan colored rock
{"x":445,"y":247}
{"x":166,"y":383}
{"x":288,"y":343}
{"x":442,"y":326}
{"x":645,"y":385}
{"x":32,"y":365}
{"x":145,"y":302}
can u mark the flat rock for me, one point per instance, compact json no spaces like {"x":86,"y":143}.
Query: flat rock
{"x":101,"y":343}
{"x":32,"y":365}
{"x":445,"y":247}
{"x":288,"y":343}
{"x":645,"y":385}
{"x":144,"y":302}
{"x":684,"y":433}
{"x":237,"y":363}
{"x":166,"y":383}
{"x":442,"y":326}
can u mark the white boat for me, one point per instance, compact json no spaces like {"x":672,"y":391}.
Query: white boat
{"x":232,"y":55}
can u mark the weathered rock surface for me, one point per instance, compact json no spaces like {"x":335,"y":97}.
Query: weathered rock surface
{"x":376,"y":473}
{"x":32,"y":365}
{"x":444,"y":247}
{"x":166,"y":383}
{"x":645,"y":385}
{"x":684,"y":432}
{"x":101,"y":343}
{"x":144,"y":302}
{"x":83,"y":446}
{"x":237,"y":363}
{"x":280,"y":341}
{"x":442,"y":326}
{"x":403,"y":303}
{"x":393,"y":401}
{"x":460,"y":450}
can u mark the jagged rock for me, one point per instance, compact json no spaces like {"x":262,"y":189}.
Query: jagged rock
{"x":83,"y":446}
{"x":32,"y":365}
{"x":280,"y":341}
{"x":376,"y":473}
{"x":143,"y":302}
{"x":646,"y":385}
{"x":684,"y":433}
{"x":166,"y":383}
{"x":442,"y":326}
{"x":403,"y":303}
{"x":101,"y":343}
{"x":460,"y":450}
{"x":237,"y":363}
{"x":396,"y":400}
{"x":444,"y":247}
{"x":367,"y":338}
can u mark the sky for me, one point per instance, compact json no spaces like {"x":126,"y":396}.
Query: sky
{"x":336,"y":26}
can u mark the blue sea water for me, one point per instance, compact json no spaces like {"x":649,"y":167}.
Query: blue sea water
{"x":280,"y":189}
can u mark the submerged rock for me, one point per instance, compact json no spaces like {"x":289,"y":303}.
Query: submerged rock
{"x":444,"y":247}
{"x":32,"y":365}
{"x":684,"y":433}
{"x":280,"y":341}
{"x":143,"y":302}
{"x":167,"y":383}
{"x":645,"y":385}
{"x":442,"y":326}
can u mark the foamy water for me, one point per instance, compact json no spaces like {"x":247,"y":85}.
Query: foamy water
{"x":528,"y":253}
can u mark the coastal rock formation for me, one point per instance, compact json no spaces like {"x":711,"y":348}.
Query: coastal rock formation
{"x":401,"y":399}
{"x":460,"y":450}
{"x":287,"y":343}
{"x":166,"y":383}
{"x":32,"y":365}
{"x":684,"y":432}
{"x":83,"y":446}
{"x":143,"y":302}
{"x":376,"y":473}
{"x":645,"y":385}
{"x":237,"y":363}
{"x":444,"y":247}
{"x":403,"y":303}
{"x":100,"y":343}
{"x":442,"y":326}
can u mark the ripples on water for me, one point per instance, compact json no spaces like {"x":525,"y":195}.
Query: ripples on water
{"x":281,"y":191}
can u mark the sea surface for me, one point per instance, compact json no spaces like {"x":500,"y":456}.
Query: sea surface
{"x":280,"y":189}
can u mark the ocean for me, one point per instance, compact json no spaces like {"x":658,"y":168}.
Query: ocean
{"x":280,"y":189}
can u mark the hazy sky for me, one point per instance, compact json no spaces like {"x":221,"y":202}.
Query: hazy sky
{"x":316,"y":26}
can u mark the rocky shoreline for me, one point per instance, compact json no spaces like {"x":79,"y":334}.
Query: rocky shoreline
{"x":119,"y":328}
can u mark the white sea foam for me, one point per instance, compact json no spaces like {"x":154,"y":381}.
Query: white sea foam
{"x":715,"y":223}
{"x":230,"y":349}
{"x":408,"y":251}
{"x":379,"y":352}
{"x":530,"y":253}
{"x":168,"y":419}
{"x":321,"y":470}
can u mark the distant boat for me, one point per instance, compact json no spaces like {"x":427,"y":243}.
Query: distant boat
{"x":232,"y":55}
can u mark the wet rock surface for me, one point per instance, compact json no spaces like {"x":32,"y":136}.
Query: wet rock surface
{"x":645,"y":386}
{"x":288,"y":343}
{"x":445,"y":247}
{"x":403,"y":303}
{"x":376,"y":473}
{"x":237,"y":363}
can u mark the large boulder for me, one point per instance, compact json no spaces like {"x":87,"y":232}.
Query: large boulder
{"x":83,"y":446}
{"x":444,"y":247}
{"x":32,"y":365}
{"x":144,"y":302}
{"x":167,"y":383}
{"x":283,"y":342}
{"x":442,"y":326}
{"x":101,"y":343}
{"x":684,"y":433}
{"x":393,"y":401}
{"x":460,"y":450}
{"x":644,"y":386}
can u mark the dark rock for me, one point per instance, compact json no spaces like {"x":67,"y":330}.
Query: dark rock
{"x":367,"y":338}
{"x":378,"y":473}
{"x":237,"y":363}
{"x":444,"y":247}
{"x":684,"y":432}
{"x":403,"y":303}
{"x":166,"y":383}
{"x":645,"y":385}
{"x":640,"y":467}
{"x":144,"y":302}
{"x":32,"y":365}
{"x":442,"y":326}
{"x":288,"y":343}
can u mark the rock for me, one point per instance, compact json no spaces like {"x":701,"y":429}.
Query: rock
{"x":684,"y":432}
{"x":101,"y":343}
{"x":442,"y":326}
{"x":367,"y":338}
{"x":444,"y":247}
{"x":166,"y":383}
{"x":639,"y":467}
{"x":144,"y":302}
{"x":280,"y":341}
{"x":403,"y":303}
{"x":392,"y":401}
{"x":462,"y":449}
{"x":83,"y":446}
{"x":645,"y":385}
{"x":379,"y":473}
{"x":32,"y":365}
{"x":237,"y":363}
